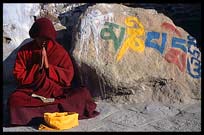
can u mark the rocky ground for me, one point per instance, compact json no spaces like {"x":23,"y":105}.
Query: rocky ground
{"x":145,"y":117}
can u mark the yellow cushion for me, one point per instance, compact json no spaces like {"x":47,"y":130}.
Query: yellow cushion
{"x":61,"y":120}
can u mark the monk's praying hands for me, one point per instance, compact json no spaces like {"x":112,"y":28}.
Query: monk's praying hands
{"x":44,"y":57}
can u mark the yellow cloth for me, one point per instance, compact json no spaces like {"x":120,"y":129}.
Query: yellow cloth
{"x":44,"y":127}
{"x":60,"y":121}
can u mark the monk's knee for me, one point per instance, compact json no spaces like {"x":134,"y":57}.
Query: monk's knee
{"x":15,"y":98}
{"x":12,"y":99}
{"x":86,"y":92}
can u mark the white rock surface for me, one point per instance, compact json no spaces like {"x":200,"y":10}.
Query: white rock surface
{"x":17,"y":20}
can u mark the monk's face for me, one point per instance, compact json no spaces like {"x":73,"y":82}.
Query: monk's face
{"x":41,"y":41}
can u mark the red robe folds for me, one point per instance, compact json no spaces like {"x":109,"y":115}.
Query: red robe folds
{"x":54,"y":82}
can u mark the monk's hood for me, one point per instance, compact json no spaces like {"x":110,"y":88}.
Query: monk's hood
{"x":43,"y":27}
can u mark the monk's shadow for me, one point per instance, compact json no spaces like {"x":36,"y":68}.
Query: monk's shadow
{"x":84,"y":75}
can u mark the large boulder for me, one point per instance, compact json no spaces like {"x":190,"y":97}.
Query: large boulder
{"x":136,"y":55}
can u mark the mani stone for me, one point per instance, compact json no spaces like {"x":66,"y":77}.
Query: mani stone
{"x":135,"y":55}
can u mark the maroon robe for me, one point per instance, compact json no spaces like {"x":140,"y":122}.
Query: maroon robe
{"x":54,"y":82}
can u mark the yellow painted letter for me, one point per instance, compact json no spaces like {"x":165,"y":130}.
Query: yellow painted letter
{"x":133,"y":42}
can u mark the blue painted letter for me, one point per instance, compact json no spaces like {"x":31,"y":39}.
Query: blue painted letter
{"x":155,"y":35}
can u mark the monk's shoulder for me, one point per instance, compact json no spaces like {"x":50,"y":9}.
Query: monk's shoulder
{"x":27,"y":46}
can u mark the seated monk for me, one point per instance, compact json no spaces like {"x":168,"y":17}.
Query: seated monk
{"x":44,"y":68}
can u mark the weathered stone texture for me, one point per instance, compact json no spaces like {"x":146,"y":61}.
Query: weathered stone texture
{"x":127,"y":48}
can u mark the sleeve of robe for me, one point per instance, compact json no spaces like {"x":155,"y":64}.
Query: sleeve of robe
{"x":63,"y":72}
{"x":23,"y":74}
